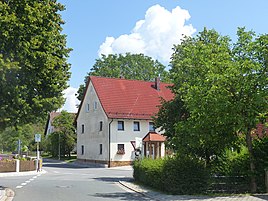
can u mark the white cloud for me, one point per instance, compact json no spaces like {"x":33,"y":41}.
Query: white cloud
{"x":154,"y":36}
{"x":71,"y":101}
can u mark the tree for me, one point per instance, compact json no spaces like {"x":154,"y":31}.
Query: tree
{"x":223,"y":86}
{"x":33,"y":60}
{"x":63,"y":139}
{"x":129,"y":66}
{"x":10,"y":136}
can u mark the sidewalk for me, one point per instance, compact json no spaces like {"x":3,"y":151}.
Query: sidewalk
{"x":158,"y":196}
{"x":15,"y":174}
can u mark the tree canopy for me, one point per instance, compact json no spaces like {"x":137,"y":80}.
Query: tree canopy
{"x":129,"y":66}
{"x":33,"y":60}
{"x":64,"y":135}
{"x":223,"y":87}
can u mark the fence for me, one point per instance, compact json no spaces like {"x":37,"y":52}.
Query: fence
{"x":227,"y":184}
{"x":17,"y":165}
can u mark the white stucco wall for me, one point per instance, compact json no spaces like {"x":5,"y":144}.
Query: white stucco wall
{"x":124,"y":137}
{"x":92,"y":137}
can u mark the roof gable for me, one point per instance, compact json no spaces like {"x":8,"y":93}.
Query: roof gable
{"x":133,"y":99}
{"x":154,"y":137}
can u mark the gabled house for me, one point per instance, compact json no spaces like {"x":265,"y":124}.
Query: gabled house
{"x":114,"y":120}
{"x":49,"y":125}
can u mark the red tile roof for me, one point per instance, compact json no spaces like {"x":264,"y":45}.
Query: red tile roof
{"x":154,"y":137}
{"x":132,"y":99}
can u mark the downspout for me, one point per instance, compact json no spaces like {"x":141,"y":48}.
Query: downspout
{"x":109,"y":144}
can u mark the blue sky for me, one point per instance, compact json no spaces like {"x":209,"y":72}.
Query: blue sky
{"x":147,"y":26}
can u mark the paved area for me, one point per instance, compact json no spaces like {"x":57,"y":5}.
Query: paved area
{"x":158,"y":196}
{"x":7,"y":194}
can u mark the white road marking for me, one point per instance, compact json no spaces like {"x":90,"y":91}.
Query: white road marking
{"x":28,"y":181}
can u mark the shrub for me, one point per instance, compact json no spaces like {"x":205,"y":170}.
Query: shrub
{"x":149,"y":172}
{"x":178,"y":175}
{"x":185,"y":175}
{"x":260,"y":150}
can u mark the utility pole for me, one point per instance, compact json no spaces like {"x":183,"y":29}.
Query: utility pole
{"x":59,"y":147}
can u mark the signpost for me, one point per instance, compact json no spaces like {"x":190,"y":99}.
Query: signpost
{"x":37,"y":140}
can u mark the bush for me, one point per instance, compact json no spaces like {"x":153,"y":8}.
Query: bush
{"x":185,"y":175}
{"x":178,"y":175}
{"x":149,"y":172}
{"x":260,"y":150}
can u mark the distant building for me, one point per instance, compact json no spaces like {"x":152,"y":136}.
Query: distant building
{"x":114,"y":120}
{"x":49,"y":125}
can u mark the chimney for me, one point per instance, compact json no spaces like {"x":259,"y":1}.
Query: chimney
{"x":157,"y":83}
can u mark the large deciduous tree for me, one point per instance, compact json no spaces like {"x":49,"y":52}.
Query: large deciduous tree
{"x":223,"y":87}
{"x":129,"y":66}
{"x":33,"y":60}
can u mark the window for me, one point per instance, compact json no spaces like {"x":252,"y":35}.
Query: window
{"x":83,"y":128}
{"x":95,"y":105}
{"x":120,"y":126}
{"x":120,"y":149}
{"x":101,"y":125}
{"x":136,"y":126}
{"x":100,"y":149}
{"x":151,"y":126}
{"x":82,"y":150}
{"x":87,"y":107}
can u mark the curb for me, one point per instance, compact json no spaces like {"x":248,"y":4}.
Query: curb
{"x":13,"y":174}
{"x":137,"y":191}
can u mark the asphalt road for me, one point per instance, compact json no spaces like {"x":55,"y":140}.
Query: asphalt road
{"x":63,"y":182}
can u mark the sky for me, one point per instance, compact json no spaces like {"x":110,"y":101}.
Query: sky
{"x":151,"y":27}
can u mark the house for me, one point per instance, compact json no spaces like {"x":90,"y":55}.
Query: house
{"x":114,"y":120}
{"x":49,"y":125}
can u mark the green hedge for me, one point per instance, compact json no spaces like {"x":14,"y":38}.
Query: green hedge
{"x":176,"y":175}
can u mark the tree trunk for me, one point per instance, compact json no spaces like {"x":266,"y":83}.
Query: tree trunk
{"x":253,"y":185}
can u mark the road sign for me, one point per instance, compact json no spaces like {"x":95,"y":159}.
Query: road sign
{"x":37,"y":137}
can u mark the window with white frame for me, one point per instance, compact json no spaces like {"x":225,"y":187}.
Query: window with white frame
{"x":120,"y":149}
{"x":136,"y":126}
{"x":151,"y":127}
{"x":120,"y":125}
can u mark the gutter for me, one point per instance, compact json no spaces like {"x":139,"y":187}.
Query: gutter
{"x":109,"y":144}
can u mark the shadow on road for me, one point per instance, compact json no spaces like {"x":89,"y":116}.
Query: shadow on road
{"x":122,"y":196}
{"x":264,"y":197}
{"x":61,"y":164}
{"x":113,"y":179}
